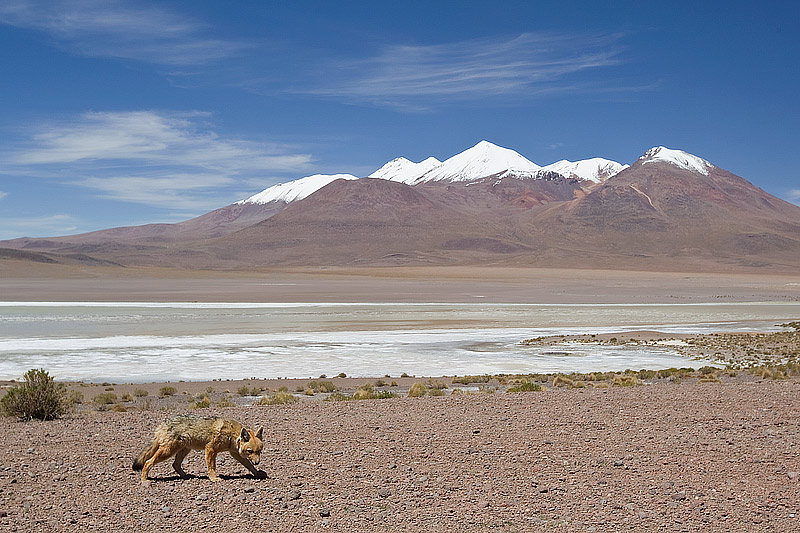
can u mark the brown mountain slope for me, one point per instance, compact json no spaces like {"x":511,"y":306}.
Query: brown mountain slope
{"x":667,"y":214}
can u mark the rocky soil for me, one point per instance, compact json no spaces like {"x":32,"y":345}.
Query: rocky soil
{"x":668,"y":456}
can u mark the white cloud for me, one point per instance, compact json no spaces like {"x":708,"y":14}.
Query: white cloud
{"x":152,"y":158}
{"x":420,"y":76}
{"x":59,"y":224}
{"x":793,"y":195}
{"x":3,"y":195}
{"x":119,"y":28}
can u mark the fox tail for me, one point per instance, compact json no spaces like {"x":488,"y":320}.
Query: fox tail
{"x":146,"y":454}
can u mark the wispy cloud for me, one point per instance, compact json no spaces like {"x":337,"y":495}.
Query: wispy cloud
{"x":153,"y":158}
{"x":793,"y":196}
{"x":3,"y":195}
{"x":58,"y":224}
{"x":424,"y":76}
{"x":121,"y":29}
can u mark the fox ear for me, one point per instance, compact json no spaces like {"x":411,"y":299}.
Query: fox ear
{"x":245,"y":436}
{"x":260,"y":433}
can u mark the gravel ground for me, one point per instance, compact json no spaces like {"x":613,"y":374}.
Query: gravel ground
{"x":663,"y":457}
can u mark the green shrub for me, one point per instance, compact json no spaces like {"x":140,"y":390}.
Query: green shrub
{"x":104,"y":398}
{"x":75,"y":397}
{"x":167,"y":391}
{"x":466,"y":380}
{"x":338,"y":396}
{"x":38,"y":397}
{"x":279,"y":398}
{"x":322,"y":386}
{"x":244,"y":390}
{"x":140,"y":393}
{"x":525,"y":387}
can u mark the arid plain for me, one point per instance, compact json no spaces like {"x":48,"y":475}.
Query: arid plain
{"x":664,"y":453}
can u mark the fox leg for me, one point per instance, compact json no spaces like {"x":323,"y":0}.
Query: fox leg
{"x":247,"y":464}
{"x":211,"y":463}
{"x":162,"y":454}
{"x":176,"y":464}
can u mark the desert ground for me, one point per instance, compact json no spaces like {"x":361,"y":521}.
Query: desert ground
{"x":27,"y":281}
{"x":701,"y":450}
{"x":671,"y":455}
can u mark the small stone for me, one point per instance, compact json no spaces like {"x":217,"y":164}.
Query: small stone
{"x":619,"y":462}
{"x":324,"y":513}
{"x":250,"y":490}
{"x":384,"y":493}
{"x":293,"y":495}
{"x":792,"y":475}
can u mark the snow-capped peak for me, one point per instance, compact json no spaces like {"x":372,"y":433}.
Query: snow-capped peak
{"x":482,"y":160}
{"x":405,"y":171}
{"x":295,"y":190}
{"x":595,"y":169}
{"x":678,"y":158}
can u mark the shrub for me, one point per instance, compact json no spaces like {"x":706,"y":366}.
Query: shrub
{"x":127,"y":397}
{"x":435,"y":384}
{"x":202,"y":403}
{"x":225,"y":402}
{"x":322,"y":386}
{"x":279,"y":398}
{"x":38,"y":397}
{"x":466,"y":380}
{"x":244,"y":390}
{"x":626,"y":381}
{"x":417,"y":390}
{"x":104,"y":398}
{"x":140,"y":393}
{"x":338,"y":396}
{"x":75,"y":397}
{"x":167,"y":391}
{"x":525,"y":387}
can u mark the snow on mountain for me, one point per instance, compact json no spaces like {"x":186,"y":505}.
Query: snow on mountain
{"x":482,"y":160}
{"x":405,"y":171}
{"x":679,"y":158}
{"x":595,"y":169}
{"x":295,"y":190}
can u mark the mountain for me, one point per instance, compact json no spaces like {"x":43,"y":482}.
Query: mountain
{"x":677,"y":208}
{"x":595,"y":169}
{"x":405,"y":171}
{"x":669,"y":210}
{"x":482,"y":160}
{"x":294,"y":190}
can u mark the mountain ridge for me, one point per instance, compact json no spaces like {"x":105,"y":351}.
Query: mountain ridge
{"x":669,"y":209}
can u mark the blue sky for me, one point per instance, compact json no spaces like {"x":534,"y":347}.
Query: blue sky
{"x":119,"y":112}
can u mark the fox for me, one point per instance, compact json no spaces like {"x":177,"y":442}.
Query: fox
{"x":180,"y":435}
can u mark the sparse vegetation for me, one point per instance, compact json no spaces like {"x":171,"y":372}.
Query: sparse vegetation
{"x":140,"y":393}
{"x":279,"y":398}
{"x":165,"y":391}
{"x":244,"y":390}
{"x":38,"y":397}
{"x":525,"y":387}
{"x":104,"y":398}
{"x":417,"y":390}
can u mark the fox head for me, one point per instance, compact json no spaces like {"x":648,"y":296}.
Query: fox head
{"x":249,"y":444}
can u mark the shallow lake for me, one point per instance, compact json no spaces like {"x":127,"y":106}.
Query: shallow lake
{"x":143,"y":342}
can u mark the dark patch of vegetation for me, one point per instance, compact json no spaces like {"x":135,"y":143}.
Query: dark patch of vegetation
{"x":38,"y":397}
